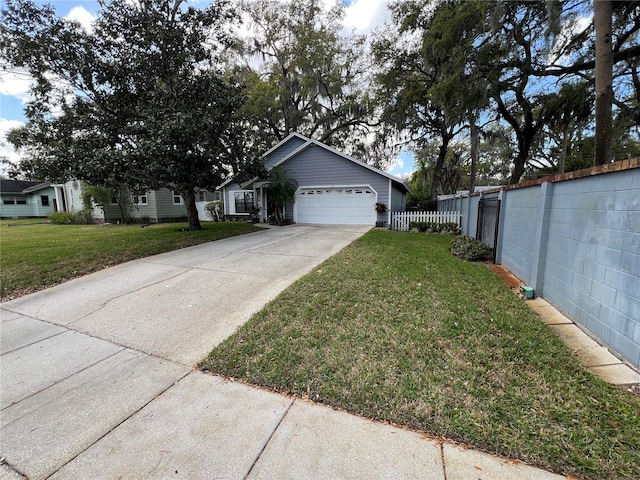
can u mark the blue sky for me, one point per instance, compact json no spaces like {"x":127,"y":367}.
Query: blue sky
{"x":361,"y":16}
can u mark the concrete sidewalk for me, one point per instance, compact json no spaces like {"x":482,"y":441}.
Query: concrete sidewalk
{"x":96,"y":379}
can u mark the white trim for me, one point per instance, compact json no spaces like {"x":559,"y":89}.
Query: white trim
{"x":285,"y":140}
{"x":232,"y":201}
{"x":319,"y":187}
{"x":175,"y":194}
{"x":136,"y":199}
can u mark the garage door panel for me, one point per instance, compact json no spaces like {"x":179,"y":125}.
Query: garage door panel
{"x":350,"y":205}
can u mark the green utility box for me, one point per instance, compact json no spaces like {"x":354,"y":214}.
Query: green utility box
{"x":527,"y":291}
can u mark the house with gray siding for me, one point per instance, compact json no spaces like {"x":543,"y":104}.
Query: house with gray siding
{"x":156,"y":206}
{"x":24,"y":199}
{"x":332,"y":188}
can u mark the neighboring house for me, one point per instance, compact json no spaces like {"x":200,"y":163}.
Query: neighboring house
{"x":23,"y":199}
{"x":332,"y":188}
{"x":155,"y":206}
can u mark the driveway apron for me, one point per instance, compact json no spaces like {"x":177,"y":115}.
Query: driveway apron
{"x":108,"y":358}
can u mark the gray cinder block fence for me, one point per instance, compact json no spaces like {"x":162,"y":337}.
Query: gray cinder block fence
{"x":574,"y":238}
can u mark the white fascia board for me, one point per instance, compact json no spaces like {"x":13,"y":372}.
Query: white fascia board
{"x":351,"y":185}
{"x":282,"y":142}
{"x":248,"y":182}
{"x":35,"y":188}
{"x":226,"y":182}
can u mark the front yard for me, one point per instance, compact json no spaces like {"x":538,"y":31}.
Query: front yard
{"x":395,"y":328}
{"x":36,"y":255}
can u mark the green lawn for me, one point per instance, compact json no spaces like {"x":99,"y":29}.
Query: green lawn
{"x":395,"y":328}
{"x":34,"y":255}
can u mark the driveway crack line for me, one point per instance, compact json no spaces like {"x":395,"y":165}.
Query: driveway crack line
{"x":107,"y":302}
{"x":135,"y":412}
{"x":269,"y":439}
{"x":444,"y":465}
{"x":34,"y":342}
{"x":65,"y":378}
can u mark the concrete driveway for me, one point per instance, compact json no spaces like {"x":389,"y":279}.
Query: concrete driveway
{"x":178,"y":305}
{"x":96,"y":379}
{"x":80,"y":358}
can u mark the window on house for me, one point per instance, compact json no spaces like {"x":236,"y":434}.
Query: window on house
{"x":141,"y":199}
{"x":243,"y":201}
{"x":216,"y":196}
{"x":44,"y":199}
{"x":114,"y":201}
{"x":21,"y":201}
{"x":177,"y":198}
{"x":202,"y":196}
{"x":9,"y":201}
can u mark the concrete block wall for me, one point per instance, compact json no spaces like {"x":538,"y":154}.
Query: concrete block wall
{"x":593,"y":257}
{"x":575,"y":238}
{"x":468,"y":207}
{"x":521,"y":211}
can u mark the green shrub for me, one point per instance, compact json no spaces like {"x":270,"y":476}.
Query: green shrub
{"x":60,"y":218}
{"x":449,"y":228}
{"x":468,"y":248}
{"x":83,"y":217}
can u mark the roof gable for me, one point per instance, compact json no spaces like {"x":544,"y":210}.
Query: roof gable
{"x":296,"y":143}
{"x":283,"y":148}
{"x":344,"y":156}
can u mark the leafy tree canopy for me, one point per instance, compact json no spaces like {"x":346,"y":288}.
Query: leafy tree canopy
{"x":142,"y":100}
{"x":305,"y":75}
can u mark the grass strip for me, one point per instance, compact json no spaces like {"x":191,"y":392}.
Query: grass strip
{"x":395,"y":328}
{"x":34,"y":255}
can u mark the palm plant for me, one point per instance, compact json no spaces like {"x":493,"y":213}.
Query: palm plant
{"x":280,"y":189}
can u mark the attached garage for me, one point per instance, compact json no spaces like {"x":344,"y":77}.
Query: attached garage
{"x":348,"y":205}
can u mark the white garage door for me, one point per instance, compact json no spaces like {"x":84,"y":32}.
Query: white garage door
{"x":343,"y":206}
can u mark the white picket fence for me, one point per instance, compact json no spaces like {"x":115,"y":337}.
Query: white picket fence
{"x":400,"y":220}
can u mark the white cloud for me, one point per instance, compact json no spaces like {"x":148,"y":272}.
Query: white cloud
{"x":364,"y":15}
{"x":16,"y":84}
{"x":6,"y":150}
{"x":396,"y":165}
{"x":82,"y":16}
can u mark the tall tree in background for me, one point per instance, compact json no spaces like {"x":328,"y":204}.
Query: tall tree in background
{"x":423,"y":67}
{"x":613,"y":36}
{"x":304,"y":75}
{"x":148,"y":112}
{"x":517,"y":46}
{"x":570,"y":110}
{"x":604,"y":79}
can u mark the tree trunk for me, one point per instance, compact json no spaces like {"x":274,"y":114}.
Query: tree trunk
{"x":604,"y":80}
{"x":122,"y":216}
{"x":437,"y":170}
{"x":189,"y":196}
{"x":519,"y":165}
{"x":563,"y":151}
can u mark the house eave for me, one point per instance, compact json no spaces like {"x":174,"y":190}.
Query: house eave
{"x":35,"y":188}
